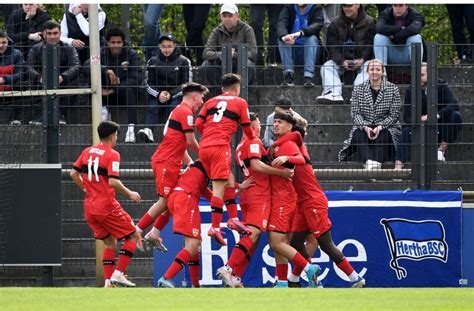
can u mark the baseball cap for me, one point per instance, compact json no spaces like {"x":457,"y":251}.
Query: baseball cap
{"x":229,"y":8}
{"x":167,"y":36}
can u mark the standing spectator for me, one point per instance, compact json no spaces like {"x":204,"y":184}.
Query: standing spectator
{"x":25,"y":27}
{"x":165,"y":74}
{"x":375,"y":110}
{"x":68,"y":66}
{"x":397,"y":28}
{"x":152,"y":28}
{"x":298,"y":31}
{"x":461,"y":15}
{"x":449,"y":119}
{"x":257,"y":17}
{"x":11,"y":62}
{"x":283,"y":104}
{"x":195,"y":17}
{"x":350,"y":37}
{"x":75,"y":28}
{"x":232,"y":31}
{"x":121,"y":76}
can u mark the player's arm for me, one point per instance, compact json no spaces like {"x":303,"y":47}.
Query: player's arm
{"x":245,"y":120}
{"x":191,"y":141}
{"x":120,"y":188}
{"x":208,"y":194}
{"x":201,"y":119}
{"x":76,"y":176}
{"x":296,"y":159}
{"x":187,"y":160}
{"x":259,"y":166}
{"x":248,"y":130}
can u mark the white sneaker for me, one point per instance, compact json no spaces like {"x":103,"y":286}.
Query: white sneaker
{"x":330,"y":98}
{"x":441,"y":157}
{"x":15,"y":122}
{"x":372,"y":165}
{"x":130,"y":135}
{"x":105,"y":113}
{"x":119,"y":279}
{"x":145,"y":135}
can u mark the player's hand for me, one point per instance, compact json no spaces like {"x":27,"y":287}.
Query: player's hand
{"x":424,"y":118}
{"x":287,"y":173}
{"x":279,"y":161}
{"x":134,"y":196}
{"x":249,"y":182}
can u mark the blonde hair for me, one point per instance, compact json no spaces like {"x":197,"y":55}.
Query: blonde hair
{"x":376,"y":61}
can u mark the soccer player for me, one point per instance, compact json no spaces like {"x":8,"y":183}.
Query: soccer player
{"x":283,"y":205}
{"x":254,"y":202}
{"x":96,"y":172}
{"x":218,"y":121}
{"x":166,"y":162}
{"x":313,"y":212}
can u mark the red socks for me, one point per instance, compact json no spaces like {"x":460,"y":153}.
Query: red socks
{"x":145,"y":221}
{"x":126,"y":254}
{"x":109,"y":262}
{"x":180,"y":260}
{"x":194,"y":265}
{"x":229,"y":201}
{"x":241,"y":252}
{"x":299,"y":262}
{"x":162,"y":221}
{"x":298,"y":269}
{"x":240,"y":269}
{"x":216,"y":208}
{"x":282,"y":271}
{"x":345,"y":266}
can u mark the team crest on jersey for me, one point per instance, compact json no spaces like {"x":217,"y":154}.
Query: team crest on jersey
{"x":190,"y":120}
{"x":264,"y":223}
{"x":195,"y":232}
{"x":276,"y":149}
{"x":166,"y":190}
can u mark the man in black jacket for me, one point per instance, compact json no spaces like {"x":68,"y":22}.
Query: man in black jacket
{"x":449,"y":119}
{"x":298,"y":30}
{"x":397,"y":28}
{"x":165,"y":73}
{"x":68,"y":65}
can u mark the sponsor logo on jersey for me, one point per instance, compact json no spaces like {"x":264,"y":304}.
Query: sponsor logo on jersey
{"x":115,"y":166}
{"x":254,"y":148}
{"x":190,"y":120}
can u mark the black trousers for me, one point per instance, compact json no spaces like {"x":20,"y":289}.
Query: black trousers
{"x":195,"y":18}
{"x":124,"y":96}
{"x":380,"y":149}
{"x":461,"y":15}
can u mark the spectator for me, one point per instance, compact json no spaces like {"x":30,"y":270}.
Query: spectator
{"x":257,"y":17}
{"x":152,"y":27}
{"x":11,"y":62}
{"x":449,"y":119}
{"x":375,"y":110}
{"x":232,"y":31}
{"x":298,"y":30}
{"x":195,"y":17}
{"x":68,"y":65}
{"x":25,"y":27}
{"x":121,"y":68}
{"x":75,"y":28}
{"x":461,"y":15}
{"x":165,"y":73}
{"x":283,"y":104}
{"x":349,"y":39}
{"x":330,"y":12}
{"x":397,"y":28}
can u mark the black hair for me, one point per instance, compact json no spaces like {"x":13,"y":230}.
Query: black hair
{"x":229,"y":80}
{"x":191,"y":87}
{"x":115,"y":32}
{"x":283,"y":103}
{"x":285,"y":116}
{"x":297,"y":128}
{"x":107,"y":128}
{"x":51,"y":25}
{"x":253,"y":116}
{"x":3,"y":34}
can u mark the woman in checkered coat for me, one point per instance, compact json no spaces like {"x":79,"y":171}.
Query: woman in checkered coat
{"x":375,"y":111}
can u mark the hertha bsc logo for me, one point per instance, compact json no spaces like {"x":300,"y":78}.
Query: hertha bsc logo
{"x":195,"y":232}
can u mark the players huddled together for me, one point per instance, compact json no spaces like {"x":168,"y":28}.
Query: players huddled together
{"x":280,"y":193}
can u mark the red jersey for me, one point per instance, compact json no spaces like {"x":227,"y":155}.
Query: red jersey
{"x":194,"y":181}
{"x":219,"y":118}
{"x":97,"y":164}
{"x":174,"y":145}
{"x":304,"y":180}
{"x":247,"y":150}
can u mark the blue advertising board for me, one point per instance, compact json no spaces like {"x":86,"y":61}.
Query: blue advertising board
{"x":391,"y":238}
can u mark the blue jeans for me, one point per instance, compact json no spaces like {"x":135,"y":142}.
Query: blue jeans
{"x":388,"y":53}
{"x":291,"y":54}
{"x":152,"y":27}
{"x":157,"y":109}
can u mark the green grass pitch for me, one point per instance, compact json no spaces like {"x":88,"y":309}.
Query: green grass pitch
{"x":248,"y":299}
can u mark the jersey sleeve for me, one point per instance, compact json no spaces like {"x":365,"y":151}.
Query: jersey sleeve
{"x":255,"y":149}
{"x":201,"y":119}
{"x":78,"y":164}
{"x":244,"y":114}
{"x":187,"y":121}
{"x":113,"y":169}
{"x":294,"y":155}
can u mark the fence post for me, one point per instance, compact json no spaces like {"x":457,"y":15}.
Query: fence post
{"x":226,"y":59}
{"x":432,"y":111}
{"x":418,"y":134}
{"x":243,"y":70}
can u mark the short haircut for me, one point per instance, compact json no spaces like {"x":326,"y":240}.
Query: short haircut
{"x":285,"y":116}
{"x":3,"y":34}
{"x":253,"y":116}
{"x":115,"y":32}
{"x":284,"y":103}
{"x":107,"y":128}
{"x":229,"y":80}
{"x":51,"y":25}
{"x":191,"y":87}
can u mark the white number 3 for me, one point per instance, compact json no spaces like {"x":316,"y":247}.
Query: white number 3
{"x":221,"y":107}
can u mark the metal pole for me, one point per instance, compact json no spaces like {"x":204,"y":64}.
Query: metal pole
{"x":432,"y":111}
{"x":96,"y":86}
{"x":226,"y":59}
{"x":417,"y":137}
{"x":125,"y":20}
{"x":243,"y":70}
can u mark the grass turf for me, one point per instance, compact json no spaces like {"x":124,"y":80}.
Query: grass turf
{"x":86,"y":299}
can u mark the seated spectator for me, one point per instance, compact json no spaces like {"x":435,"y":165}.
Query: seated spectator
{"x":121,"y":78}
{"x":75,"y":28}
{"x":68,"y":66}
{"x":11,"y":69}
{"x":25,"y":27}
{"x":298,"y":30}
{"x":231,"y":31}
{"x":397,"y":28}
{"x":375,"y":111}
{"x":461,"y":15}
{"x":449,"y":119}
{"x":349,"y":39}
{"x":165,"y":73}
